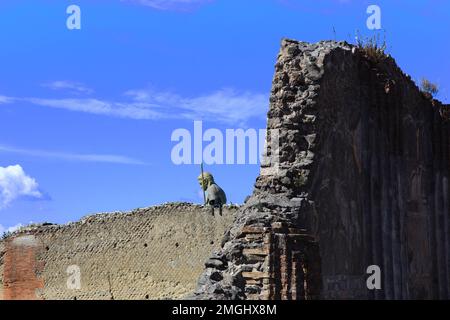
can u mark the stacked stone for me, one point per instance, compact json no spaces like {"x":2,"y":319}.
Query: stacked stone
{"x":249,"y":260}
{"x":363,"y":169}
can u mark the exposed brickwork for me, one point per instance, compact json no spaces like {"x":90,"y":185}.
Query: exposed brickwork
{"x":294,"y":265}
{"x":291,"y":264}
{"x":20,"y":280}
{"x":152,"y":253}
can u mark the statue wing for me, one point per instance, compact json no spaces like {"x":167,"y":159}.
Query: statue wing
{"x":216,"y":193}
{"x":222,"y":196}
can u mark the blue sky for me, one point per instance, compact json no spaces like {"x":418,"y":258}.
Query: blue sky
{"x":86,"y":116}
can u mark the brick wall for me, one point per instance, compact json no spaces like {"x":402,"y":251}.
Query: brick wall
{"x":152,"y":253}
{"x":290,"y":259}
{"x":20,"y":268}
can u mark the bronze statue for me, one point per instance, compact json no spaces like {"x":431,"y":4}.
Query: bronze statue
{"x":215,"y":196}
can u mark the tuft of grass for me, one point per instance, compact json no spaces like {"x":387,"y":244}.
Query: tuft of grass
{"x":374,"y":47}
{"x":429,"y":88}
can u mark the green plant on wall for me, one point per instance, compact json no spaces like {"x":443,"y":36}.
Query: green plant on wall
{"x":374,"y":47}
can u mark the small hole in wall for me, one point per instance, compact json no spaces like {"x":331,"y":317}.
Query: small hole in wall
{"x":145,"y":245}
{"x":74,"y":298}
{"x":147,"y":297}
{"x":47,"y":248}
{"x":212,"y":242}
{"x":177,"y":245}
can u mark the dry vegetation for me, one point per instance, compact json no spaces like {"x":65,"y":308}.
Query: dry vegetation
{"x":374,"y":47}
{"x":429,"y":88}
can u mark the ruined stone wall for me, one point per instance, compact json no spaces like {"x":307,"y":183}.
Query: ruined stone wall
{"x":383,"y":197}
{"x":361,"y":179}
{"x":358,"y":176}
{"x":152,"y":253}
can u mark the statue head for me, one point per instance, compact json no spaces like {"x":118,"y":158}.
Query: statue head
{"x":207,"y":180}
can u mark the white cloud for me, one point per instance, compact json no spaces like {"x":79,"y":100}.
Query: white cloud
{"x":5,"y":99}
{"x":71,"y":86}
{"x":227,"y":106}
{"x":15,"y":183}
{"x":101,"y":107}
{"x":106,"y":158}
{"x":170,"y":4}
